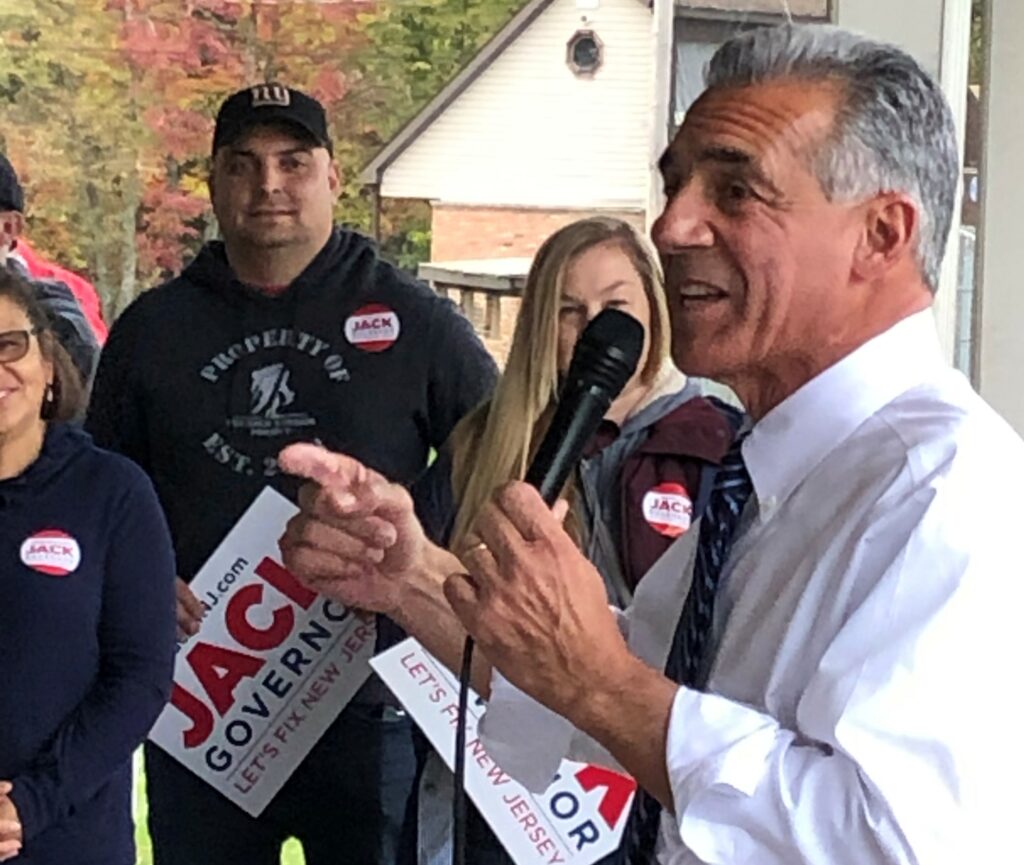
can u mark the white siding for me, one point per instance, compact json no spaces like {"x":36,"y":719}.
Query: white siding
{"x":530,"y":133}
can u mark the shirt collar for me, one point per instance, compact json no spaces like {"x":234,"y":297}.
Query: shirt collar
{"x":794,"y":437}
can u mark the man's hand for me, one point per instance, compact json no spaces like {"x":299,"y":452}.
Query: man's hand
{"x":539,"y":611}
{"x":188,"y":608}
{"x":10,"y":825}
{"x":356,"y":536}
{"x":536,"y":607}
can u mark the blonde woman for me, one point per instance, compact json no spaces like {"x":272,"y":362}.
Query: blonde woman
{"x":639,"y":485}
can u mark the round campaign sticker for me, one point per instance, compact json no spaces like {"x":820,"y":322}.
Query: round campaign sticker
{"x":52,"y":552}
{"x":373,"y":327}
{"x":668,"y":509}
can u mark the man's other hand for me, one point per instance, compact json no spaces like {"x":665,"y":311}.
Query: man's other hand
{"x":356,"y":536}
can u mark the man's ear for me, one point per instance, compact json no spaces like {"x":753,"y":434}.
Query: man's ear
{"x":890,"y":234}
{"x":12,"y":224}
{"x":211,"y":173}
{"x":334,"y":178}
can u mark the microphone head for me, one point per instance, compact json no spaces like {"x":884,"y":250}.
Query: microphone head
{"x":606,"y":354}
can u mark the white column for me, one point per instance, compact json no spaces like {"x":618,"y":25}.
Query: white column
{"x":1001,"y":325}
{"x":937,"y":34}
{"x":954,"y":65}
{"x":662,"y":37}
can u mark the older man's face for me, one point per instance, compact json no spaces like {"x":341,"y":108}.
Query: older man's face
{"x":756,"y":258}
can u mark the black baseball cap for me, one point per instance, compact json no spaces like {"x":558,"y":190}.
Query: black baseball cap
{"x":269,"y":104}
{"x":12,"y":196}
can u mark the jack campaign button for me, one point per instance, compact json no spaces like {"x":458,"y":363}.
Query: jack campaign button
{"x":52,"y":552}
{"x":668,"y":509}
{"x":374,"y":327}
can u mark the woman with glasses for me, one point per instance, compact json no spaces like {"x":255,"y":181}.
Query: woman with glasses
{"x":87,"y":610}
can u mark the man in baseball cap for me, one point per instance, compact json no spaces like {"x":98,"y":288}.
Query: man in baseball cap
{"x":204,"y":380}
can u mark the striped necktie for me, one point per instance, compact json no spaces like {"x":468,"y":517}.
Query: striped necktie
{"x":688,"y":662}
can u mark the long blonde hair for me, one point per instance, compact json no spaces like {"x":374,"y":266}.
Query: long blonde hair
{"x":494,"y":443}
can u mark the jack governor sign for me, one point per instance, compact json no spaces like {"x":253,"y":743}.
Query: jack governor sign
{"x":272,"y":666}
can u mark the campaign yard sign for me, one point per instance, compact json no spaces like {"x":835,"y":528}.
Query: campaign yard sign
{"x":272,"y":666}
{"x":579,"y":819}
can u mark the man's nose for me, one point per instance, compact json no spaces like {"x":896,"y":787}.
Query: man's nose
{"x":270,"y":177}
{"x":685,"y":222}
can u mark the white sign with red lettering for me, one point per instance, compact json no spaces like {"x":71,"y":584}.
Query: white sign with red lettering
{"x":272,"y":666}
{"x":578,"y":819}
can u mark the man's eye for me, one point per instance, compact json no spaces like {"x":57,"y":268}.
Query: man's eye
{"x":737,"y":191}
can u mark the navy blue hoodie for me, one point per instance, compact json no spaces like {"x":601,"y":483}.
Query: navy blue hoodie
{"x":204,"y":380}
{"x":87,"y":642}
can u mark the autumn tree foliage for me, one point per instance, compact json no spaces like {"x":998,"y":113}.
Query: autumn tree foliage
{"x":106,"y":108}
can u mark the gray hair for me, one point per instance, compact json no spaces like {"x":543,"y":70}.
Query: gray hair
{"x":893,"y":132}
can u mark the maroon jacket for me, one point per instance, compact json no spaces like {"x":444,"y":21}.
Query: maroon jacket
{"x":666,"y":480}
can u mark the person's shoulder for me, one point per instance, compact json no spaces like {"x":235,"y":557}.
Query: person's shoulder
{"x":939,"y":449}
{"x":49,"y":288}
{"x":381,"y":277}
{"x":944,"y":420}
{"x":941,"y":467}
{"x":695,"y":407}
{"x":161,"y":300}
{"x":114,"y":472}
{"x":691,"y":424}
{"x":59,"y":300}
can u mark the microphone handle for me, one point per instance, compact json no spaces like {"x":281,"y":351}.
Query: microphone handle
{"x":576,"y":419}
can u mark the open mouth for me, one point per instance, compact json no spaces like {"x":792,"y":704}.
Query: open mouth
{"x":694,"y":293}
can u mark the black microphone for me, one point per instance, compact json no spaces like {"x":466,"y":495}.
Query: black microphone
{"x":604,"y":359}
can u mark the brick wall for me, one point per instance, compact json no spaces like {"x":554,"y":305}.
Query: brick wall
{"x":460,"y":233}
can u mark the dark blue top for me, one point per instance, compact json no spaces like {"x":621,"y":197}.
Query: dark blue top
{"x":204,"y":381}
{"x":87,"y":642}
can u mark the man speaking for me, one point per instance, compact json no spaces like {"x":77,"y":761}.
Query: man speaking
{"x":821,"y":671}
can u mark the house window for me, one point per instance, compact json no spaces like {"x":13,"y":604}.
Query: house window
{"x":696,"y":41}
{"x":585,"y":52}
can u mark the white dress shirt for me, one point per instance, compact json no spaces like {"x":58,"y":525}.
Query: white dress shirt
{"x":861,"y":707}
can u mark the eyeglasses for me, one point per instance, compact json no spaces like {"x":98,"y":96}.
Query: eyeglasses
{"x":14,"y":344}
